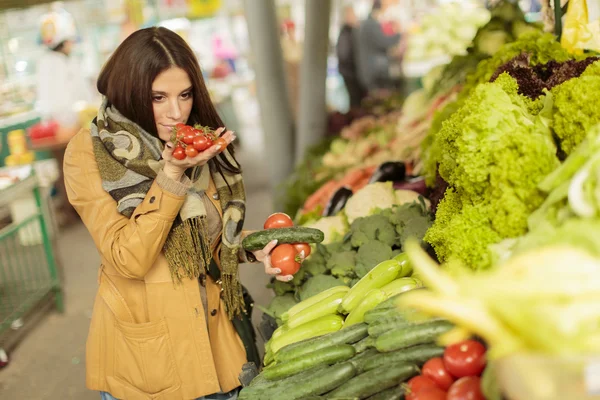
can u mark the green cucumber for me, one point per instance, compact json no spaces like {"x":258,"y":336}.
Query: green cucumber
{"x":258,"y":240}
{"x":418,"y":355}
{"x":393,"y":393}
{"x":330,"y":379}
{"x":268,"y":387}
{"x":360,"y":360}
{"x":374,"y":381}
{"x":412,"y":335}
{"x":344,"y":336}
{"x":376,"y":330}
{"x":329,"y":355}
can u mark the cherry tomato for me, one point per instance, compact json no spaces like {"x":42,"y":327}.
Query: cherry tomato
{"x":179,"y":153}
{"x":191,"y":152}
{"x":302,"y":247}
{"x":278,"y":220}
{"x":434,"y":369}
{"x":222,"y":143}
{"x":285,"y":258}
{"x":418,"y":384}
{"x":467,"y":388}
{"x":429,"y":393}
{"x":180,"y":125}
{"x":202,"y":143}
{"x":466,"y":358}
{"x":188,"y":137}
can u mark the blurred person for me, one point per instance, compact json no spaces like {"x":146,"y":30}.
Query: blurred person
{"x":374,"y":48}
{"x":170,"y":319}
{"x":346,"y":57}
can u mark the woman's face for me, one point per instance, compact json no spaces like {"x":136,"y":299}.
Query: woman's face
{"x":172,"y":100}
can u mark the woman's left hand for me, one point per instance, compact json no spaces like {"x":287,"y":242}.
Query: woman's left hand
{"x":264,"y":256}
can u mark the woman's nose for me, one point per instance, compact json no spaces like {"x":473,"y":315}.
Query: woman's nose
{"x":174,"y":110}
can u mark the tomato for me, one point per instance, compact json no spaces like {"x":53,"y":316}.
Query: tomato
{"x":418,"y":384}
{"x":302,"y":247}
{"x":467,"y":388}
{"x":180,"y":126}
{"x":222,"y":143}
{"x":466,"y":358}
{"x":179,"y":153}
{"x":202,"y":143}
{"x":191,"y":152}
{"x":188,"y":137}
{"x":428,"y":393}
{"x":285,"y":258}
{"x":434,"y":369}
{"x":278,"y":220}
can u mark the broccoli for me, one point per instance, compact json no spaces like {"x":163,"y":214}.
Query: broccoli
{"x":411,"y":220}
{"x":315,"y":264}
{"x":342,"y":264}
{"x":318,"y":284}
{"x":375,"y":227}
{"x":370,"y":254}
{"x":281,"y":288}
{"x":280,"y":304}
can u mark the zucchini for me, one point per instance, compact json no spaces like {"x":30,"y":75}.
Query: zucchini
{"x":374,"y":381}
{"x":371,"y":300}
{"x":399,"y":286}
{"x":326,"y":306}
{"x":312,"y":300}
{"x":426,"y":332}
{"x":317,"y":327}
{"x":381,"y":275}
{"x":330,"y":379}
{"x":344,"y":336}
{"x":330,"y":355}
{"x":364,"y":344}
{"x":376,"y":330}
{"x":297,"y":234}
{"x":393,"y":393}
{"x":418,"y":355}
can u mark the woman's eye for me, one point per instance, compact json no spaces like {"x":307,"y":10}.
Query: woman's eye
{"x":187,"y":95}
{"x":157,"y":98}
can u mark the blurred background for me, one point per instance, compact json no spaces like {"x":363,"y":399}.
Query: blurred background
{"x":284,"y":74}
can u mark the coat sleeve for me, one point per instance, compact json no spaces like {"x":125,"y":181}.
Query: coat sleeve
{"x":131,"y":245}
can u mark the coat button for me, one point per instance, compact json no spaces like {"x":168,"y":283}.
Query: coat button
{"x":216,"y":196}
{"x":213,"y":312}
{"x":152,"y":199}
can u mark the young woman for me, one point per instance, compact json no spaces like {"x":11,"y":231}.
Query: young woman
{"x":168,"y":321}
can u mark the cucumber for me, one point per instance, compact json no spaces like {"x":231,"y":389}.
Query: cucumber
{"x":423,"y":333}
{"x":360,"y":360}
{"x":364,"y":344}
{"x":268,"y":387}
{"x":377,"y":315}
{"x":258,"y":240}
{"x":329,"y":355}
{"x":330,"y":379}
{"x":344,"y":336}
{"x":376,"y":330}
{"x":418,"y":355}
{"x":393,"y":393}
{"x":374,"y":381}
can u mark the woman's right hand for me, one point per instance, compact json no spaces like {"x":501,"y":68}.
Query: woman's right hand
{"x":175,"y":168}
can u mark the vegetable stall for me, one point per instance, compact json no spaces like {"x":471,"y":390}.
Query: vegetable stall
{"x":450,"y":248}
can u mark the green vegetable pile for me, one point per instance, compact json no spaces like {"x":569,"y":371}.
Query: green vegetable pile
{"x":370,"y":240}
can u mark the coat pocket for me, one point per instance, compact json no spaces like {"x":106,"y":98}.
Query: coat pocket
{"x":144,"y":356}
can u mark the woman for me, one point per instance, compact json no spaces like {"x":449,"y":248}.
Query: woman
{"x":166,"y":319}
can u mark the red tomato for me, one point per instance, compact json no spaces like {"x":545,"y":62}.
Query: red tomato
{"x":222,"y":143}
{"x":418,"y":384}
{"x":302,"y":247}
{"x":188,"y":137}
{"x":278,"y":220}
{"x":467,"y":388}
{"x":202,"y":143}
{"x":191,"y":152}
{"x":434,"y":369}
{"x":466,"y":358}
{"x":428,"y":393}
{"x":179,"y":153}
{"x":284,"y":257}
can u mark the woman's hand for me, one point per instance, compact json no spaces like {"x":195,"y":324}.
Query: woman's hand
{"x":264,"y":256}
{"x":175,"y":168}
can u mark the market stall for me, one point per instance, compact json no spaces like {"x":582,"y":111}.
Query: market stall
{"x":459,"y":254}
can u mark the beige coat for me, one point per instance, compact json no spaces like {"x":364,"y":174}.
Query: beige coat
{"x":148,"y":337}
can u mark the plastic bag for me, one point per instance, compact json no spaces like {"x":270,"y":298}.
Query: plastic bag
{"x":579,"y":33}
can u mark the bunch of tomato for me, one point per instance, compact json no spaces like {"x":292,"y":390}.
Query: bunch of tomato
{"x":286,"y":257}
{"x":189,"y":141}
{"x":455,"y":376}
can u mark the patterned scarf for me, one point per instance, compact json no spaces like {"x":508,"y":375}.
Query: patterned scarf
{"x":129,"y":159}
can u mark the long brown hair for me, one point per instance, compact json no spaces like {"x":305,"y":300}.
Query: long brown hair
{"x":126,"y":81}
